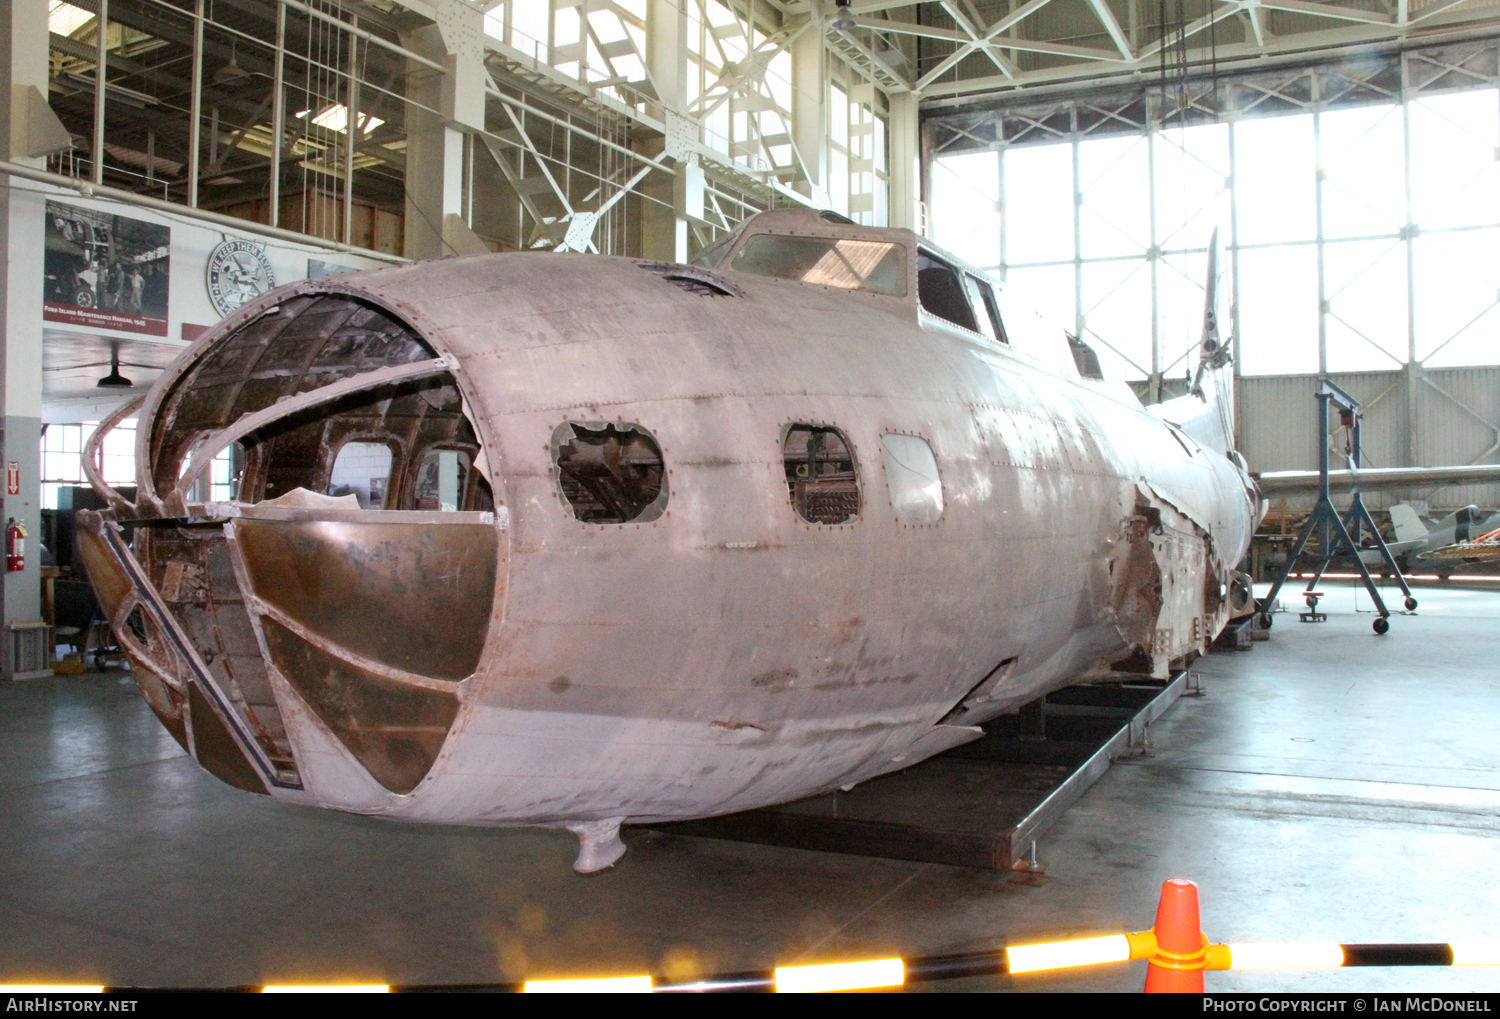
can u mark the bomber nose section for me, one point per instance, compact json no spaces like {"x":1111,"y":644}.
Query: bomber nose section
{"x":371,"y":623}
{"x":319,"y":561}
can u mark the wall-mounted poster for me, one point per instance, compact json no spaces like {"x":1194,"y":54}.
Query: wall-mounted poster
{"x":106,"y":271}
{"x":238,"y":271}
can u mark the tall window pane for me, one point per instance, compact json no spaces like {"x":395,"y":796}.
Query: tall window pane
{"x":1364,"y":175}
{"x":1455,"y":180}
{"x":1117,"y":316}
{"x":1114,"y":182}
{"x":1039,"y":204}
{"x":1274,"y":177}
{"x":1457,"y":284}
{"x":1179,"y":289}
{"x":1278,"y":320}
{"x":1192,"y":181}
{"x":965,"y":206}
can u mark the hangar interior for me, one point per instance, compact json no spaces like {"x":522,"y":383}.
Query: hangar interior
{"x":1339,"y":159}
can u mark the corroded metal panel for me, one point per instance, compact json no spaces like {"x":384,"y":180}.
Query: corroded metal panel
{"x":394,"y":729}
{"x":411,"y":596}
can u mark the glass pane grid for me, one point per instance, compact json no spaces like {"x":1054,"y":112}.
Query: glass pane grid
{"x":1356,"y":238}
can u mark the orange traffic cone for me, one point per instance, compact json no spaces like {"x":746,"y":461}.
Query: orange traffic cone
{"x":1181,"y":948}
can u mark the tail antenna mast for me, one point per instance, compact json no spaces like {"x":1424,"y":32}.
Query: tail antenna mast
{"x":1213,"y":353}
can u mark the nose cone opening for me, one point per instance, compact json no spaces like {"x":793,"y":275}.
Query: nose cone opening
{"x":326,"y":533}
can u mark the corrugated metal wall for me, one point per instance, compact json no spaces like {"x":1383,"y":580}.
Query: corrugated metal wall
{"x":1450,"y":422}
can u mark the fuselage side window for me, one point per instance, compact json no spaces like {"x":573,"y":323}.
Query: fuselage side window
{"x":989,"y":317}
{"x":609,"y":473}
{"x":986,"y":325}
{"x":363,"y":470}
{"x":942,"y":293}
{"x":911,"y":474}
{"x":820,"y":475}
{"x":992,"y":308}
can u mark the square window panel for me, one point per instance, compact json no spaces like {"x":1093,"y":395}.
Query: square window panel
{"x":965,"y":206}
{"x":1278,"y":310}
{"x":1048,"y":289}
{"x":1038,"y":203}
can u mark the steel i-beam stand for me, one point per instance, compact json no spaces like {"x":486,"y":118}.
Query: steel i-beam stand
{"x":1330,"y":526}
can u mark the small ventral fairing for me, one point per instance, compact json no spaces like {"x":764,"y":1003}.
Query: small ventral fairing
{"x":571,"y":540}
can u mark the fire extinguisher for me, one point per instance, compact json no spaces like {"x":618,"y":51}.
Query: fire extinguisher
{"x":15,"y":546}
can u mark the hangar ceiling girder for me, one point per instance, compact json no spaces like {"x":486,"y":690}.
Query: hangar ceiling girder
{"x":1126,"y":108}
{"x":749,"y":138}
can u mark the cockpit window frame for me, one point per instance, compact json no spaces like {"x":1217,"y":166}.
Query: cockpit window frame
{"x":833,"y":236}
{"x":957,"y":276}
{"x":986,"y":291}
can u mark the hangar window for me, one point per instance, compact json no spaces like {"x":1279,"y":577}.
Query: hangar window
{"x":911,"y":473}
{"x":826,"y":261}
{"x":942,"y":293}
{"x":441,"y":480}
{"x":222,"y":480}
{"x":820,"y":476}
{"x":610,"y":473}
{"x":363,"y":470}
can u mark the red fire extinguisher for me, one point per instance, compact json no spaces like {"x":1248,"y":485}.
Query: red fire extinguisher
{"x":15,"y":547}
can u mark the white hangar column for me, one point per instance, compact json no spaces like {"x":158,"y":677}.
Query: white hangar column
{"x":810,"y":112}
{"x":440,"y":149}
{"x":905,"y":162}
{"x":664,"y":225}
{"x":23,"y":130}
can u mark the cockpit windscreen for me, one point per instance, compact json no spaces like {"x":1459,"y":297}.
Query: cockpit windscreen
{"x":853,"y":265}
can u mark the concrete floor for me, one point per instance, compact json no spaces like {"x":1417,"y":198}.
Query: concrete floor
{"x":1329,"y":785}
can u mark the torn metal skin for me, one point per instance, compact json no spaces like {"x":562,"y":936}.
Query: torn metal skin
{"x":629,"y":602}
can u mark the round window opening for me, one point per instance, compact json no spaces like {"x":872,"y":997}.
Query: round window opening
{"x":610,"y":472}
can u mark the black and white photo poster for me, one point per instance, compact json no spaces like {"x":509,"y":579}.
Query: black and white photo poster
{"x":106,"y":271}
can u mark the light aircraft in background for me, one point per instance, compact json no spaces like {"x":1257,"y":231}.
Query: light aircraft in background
{"x":1419,"y":539}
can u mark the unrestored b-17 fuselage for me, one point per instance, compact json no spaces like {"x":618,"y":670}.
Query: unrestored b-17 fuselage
{"x":651,"y":541}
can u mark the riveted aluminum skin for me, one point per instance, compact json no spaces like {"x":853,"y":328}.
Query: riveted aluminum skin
{"x":726,"y":654}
